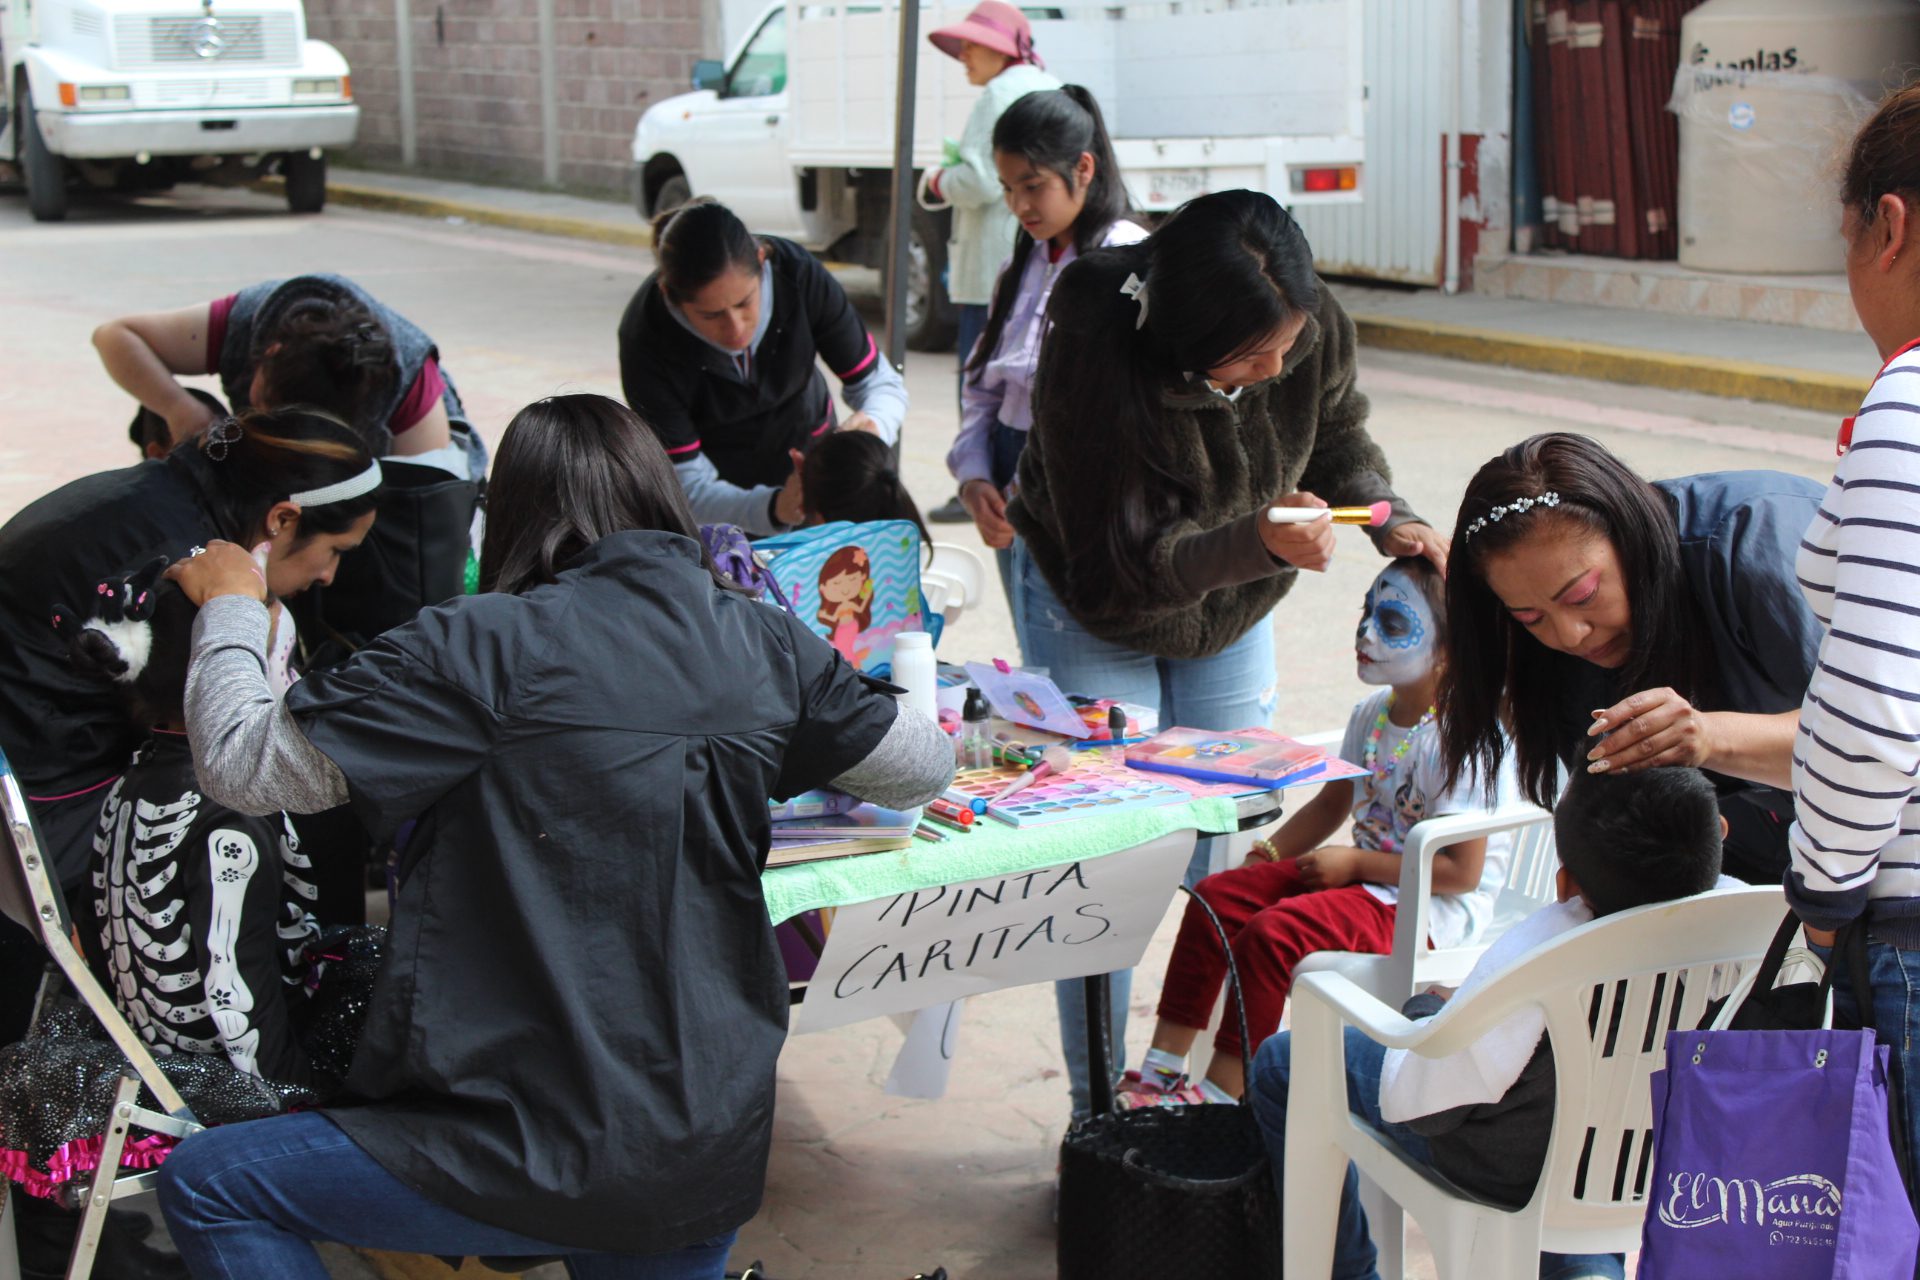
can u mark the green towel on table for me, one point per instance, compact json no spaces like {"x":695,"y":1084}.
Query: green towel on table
{"x":992,"y":849}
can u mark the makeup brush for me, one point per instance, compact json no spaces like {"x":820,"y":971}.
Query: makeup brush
{"x":1055,"y":759}
{"x":1373,"y":516}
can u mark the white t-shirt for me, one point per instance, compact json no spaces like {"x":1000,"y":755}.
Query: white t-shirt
{"x":1412,"y":789}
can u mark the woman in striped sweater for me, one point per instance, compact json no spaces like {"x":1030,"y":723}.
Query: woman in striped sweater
{"x":1856,"y":844}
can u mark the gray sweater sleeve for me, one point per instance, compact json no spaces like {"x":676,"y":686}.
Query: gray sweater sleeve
{"x":912,"y":765}
{"x":248,"y":752}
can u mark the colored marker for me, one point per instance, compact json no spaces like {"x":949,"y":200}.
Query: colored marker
{"x":960,"y":815}
{"x":974,"y":803}
{"x":949,"y":823}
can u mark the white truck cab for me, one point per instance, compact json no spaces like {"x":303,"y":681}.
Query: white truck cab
{"x":139,"y":94}
{"x":794,"y":131}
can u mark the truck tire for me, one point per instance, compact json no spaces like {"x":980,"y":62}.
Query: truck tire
{"x":306,"y":179}
{"x":673,"y":193}
{"x":932,"y":324}
{"x":46,"y":173}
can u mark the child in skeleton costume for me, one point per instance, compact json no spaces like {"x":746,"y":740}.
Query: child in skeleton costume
{"x":1297,"y":893}
{"x":202,"y":912}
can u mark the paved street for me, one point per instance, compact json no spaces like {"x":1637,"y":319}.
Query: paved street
{"x":863,"y":1186}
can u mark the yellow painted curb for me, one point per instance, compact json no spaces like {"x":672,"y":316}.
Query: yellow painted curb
{"x":1733,"y":379}
{"x":638,"y":236}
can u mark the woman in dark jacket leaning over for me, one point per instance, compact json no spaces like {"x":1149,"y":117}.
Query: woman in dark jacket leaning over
{"x":720,"y":352}
{"x":1603,"y":622}
{"x":1189,"y":382}
{"x":572,"y":1050}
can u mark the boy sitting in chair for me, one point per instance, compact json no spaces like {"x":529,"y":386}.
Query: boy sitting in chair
{"x":1483,"y":1117}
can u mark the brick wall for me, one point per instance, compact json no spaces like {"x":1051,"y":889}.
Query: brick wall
{"x":476,"y":80}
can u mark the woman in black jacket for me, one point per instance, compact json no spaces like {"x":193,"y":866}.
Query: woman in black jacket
{"x":572,"y":1048}
{"x":720,"y":353}
{"x":246,"y":480}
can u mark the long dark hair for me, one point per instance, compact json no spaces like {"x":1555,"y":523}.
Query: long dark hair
{"x":850,"y":475}
{"x":1051,"y":129}
{"x":1498,"y":674}
{"x":696,"y":243}
{"x":1222,"y":273}
{"x":333,"y":353}
{"x":263,"y":457}
{"x":570,"y":471}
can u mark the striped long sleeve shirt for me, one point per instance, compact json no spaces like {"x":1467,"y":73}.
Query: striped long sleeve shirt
{"x":1856,"y":843}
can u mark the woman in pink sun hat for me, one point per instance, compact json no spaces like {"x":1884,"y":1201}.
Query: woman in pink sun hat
{"x":995,"y":44}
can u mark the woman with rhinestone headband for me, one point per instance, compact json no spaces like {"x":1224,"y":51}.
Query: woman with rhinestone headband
{"x":1612,"y":624}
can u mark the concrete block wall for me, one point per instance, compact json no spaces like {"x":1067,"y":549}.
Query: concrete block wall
{"x":476,"y":81}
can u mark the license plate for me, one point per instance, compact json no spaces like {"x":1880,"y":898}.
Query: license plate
{"x":1169,"y":187}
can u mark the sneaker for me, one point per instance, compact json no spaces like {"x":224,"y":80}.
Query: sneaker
{"x":952,"y":511}
{"x":1135,"y":1093}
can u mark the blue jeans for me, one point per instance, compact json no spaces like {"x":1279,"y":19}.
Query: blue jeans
{"x":1233,"y":689}
{"x":1894,"y":976}
{"x":1354,"y":1255}
{"x":245,"y":1201}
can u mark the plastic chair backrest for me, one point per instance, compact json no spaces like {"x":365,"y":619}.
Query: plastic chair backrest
{"x":1531,"y":879}
{"x":1662,"y":965}
{"x":1529,"y":885}
{"x":960,"y":566}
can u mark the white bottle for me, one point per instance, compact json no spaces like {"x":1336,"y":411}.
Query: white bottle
{"x":913,"y":670}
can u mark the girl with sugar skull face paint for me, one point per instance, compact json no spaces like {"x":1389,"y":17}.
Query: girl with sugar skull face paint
{"x":1297,"y":893}
{"x":1395,"y":644}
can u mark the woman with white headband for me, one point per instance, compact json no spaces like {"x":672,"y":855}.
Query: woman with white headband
{"x":1613,"y":625}
{"x":297,"y":483}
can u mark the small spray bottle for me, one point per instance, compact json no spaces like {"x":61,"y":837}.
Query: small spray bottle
{"x":974,"y":749}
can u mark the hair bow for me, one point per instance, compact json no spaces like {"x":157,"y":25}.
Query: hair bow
{"x":1136,"y":288}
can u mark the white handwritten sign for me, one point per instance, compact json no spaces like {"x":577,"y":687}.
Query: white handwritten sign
{"x":934,"y":945}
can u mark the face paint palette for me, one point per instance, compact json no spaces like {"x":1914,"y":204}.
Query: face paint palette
{"x":1253,"y":758}
{"x":1097,"y":783}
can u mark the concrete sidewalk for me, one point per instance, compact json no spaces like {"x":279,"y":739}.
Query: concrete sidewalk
{"x":1800,"y":368}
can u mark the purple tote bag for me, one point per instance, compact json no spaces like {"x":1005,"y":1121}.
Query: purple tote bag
{"x":1772,"y":1158}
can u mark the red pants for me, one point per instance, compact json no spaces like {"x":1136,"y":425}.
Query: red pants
{"x":1274,"y":922}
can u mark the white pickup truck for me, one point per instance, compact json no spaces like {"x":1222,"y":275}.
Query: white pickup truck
{"x":794,"y":131}
{"x":139,"y":94}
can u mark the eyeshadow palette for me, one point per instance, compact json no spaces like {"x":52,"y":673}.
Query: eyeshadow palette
{"x":1098,"y":782}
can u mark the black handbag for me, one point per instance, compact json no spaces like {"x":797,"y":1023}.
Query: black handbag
{"x":1166,"y":1191}
{"x":414,"y":557}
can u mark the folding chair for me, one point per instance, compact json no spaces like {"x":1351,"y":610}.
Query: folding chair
{"x":1609,"y":990}
{"x":31,"y":898}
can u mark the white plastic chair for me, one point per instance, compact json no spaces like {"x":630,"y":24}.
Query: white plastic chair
{"x":1642,"y":971}
{"x":30,"y":898}
{"x":952,"y":580}
{"x":1529,"y":886}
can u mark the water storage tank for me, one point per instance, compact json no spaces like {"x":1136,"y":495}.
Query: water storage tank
{"x":1769,"y":92}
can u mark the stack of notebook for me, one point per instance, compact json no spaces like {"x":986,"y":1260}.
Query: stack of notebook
{"x":865,"y":828}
